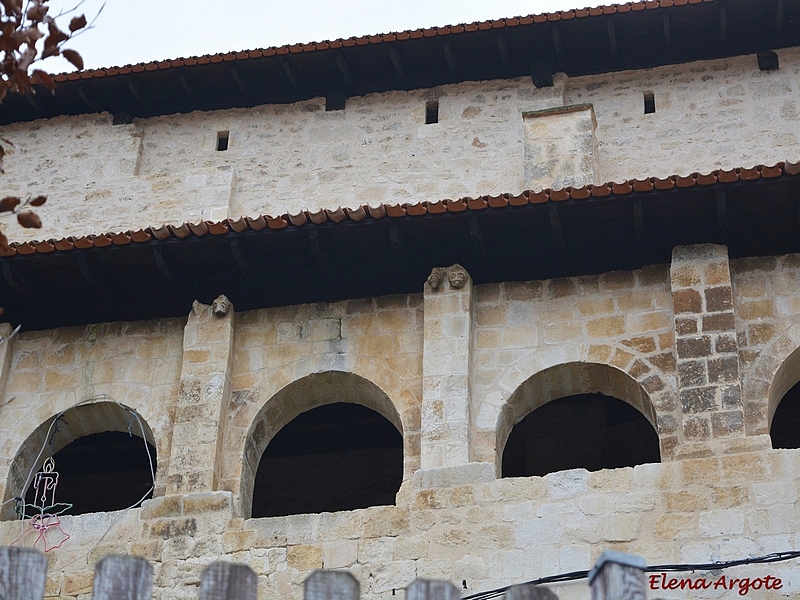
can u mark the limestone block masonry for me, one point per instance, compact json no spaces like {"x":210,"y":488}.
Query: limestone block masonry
{"x":286,"y":158}
{"x":701,"y":347}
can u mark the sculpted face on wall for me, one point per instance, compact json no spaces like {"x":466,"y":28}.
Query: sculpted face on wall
{"x":455,"y":274}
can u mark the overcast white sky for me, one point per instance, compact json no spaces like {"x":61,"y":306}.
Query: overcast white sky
{"x":131,"y":31}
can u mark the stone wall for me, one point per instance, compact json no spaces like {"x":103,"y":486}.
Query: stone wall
{"x":452,"y":368}
{"x":102,"y":177}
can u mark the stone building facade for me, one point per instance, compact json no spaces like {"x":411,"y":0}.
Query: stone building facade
{"x":699,"y":332}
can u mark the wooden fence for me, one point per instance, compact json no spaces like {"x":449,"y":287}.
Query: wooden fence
{"x":23,"y":572}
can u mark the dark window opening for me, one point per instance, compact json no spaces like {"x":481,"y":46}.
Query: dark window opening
{"x":649,"y":103}
{"x":432,"y":112}
{"x":222,"y":141}
{"x":785,"y":430}
{"x":101,"y":472}
{"x":122,"y":119}
{"x":767,"y":61}
{"x":336,"y":457}
{"x":335,"y":101}
{"x":589,"y":431}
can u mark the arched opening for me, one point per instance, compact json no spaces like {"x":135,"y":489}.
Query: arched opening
{"x":103,"y":453}
{"x":589,"y":431}
{"x":102,"y":472}
{"x":785,"y":430}
{"x":576,"y":415}
{"x":334,"y":457}
{"x":332,"y":418}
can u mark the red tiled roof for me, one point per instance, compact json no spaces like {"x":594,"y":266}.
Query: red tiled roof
{"x":391,"y":211}
{"x":562,"y":15}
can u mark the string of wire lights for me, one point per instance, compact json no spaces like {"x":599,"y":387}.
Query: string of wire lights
{"x":712,"y":566}
{"x":48,"y":441}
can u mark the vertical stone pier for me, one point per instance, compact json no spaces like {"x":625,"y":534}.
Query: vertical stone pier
{"x":707,"y":348}
{"x":445,"y":437}
{"x":203,"y":398}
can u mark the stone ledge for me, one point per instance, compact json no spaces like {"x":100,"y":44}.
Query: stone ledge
{"x":468,"y":474}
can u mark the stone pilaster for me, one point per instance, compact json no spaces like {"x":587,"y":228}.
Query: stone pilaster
{"x":706,"y":348}
{"x":203,"y":398}
{"x":445,"y":368}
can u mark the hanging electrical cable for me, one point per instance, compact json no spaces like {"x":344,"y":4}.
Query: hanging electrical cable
{"x":712,"y":566}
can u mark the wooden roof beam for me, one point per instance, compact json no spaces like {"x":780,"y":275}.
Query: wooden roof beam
{"x":612,"y":37}
{"x":188,"y":89}
{"x":450,"y":57}
{"x":344,"y":69}
{"x":239,"y":81}
{"x":397,"y":63}
{"x":557,"y":45}
{"x":291,"y":75}
{"x":502,"y":47}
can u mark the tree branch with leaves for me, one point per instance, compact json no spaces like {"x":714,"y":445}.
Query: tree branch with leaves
{"x":29,"y":34}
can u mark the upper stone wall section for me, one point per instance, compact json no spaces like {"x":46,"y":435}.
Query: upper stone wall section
{"x":285,"y":158}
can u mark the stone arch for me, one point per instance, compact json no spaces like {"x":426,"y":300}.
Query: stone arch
{"x":78,"y":421}
{"x":569,"y":379}
{"x":775,"y":371}
{"x":300,"y":396}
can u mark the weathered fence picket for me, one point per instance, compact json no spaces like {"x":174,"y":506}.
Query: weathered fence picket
{"x":618,"y":576}
{"x":526,"y":591}
{"x":228,"y":581}
{"x":331,"y":585}
{"x":119,"y":577}
{"x":23,"y":573}
{"x":432,"y":589}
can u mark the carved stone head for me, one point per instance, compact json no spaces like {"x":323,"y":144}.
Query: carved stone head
{"x":458,"y":277}
{"x":436,"y":277}
{"x":220,"y":306}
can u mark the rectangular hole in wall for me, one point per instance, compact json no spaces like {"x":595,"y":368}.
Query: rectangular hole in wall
{"x":649,"y":103}
{"x":431,"y":112}
{"x":335,"y":101}
{"x":222,"y":141}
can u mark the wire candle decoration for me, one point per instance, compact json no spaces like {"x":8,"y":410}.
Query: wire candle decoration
{"x":47,"y":512}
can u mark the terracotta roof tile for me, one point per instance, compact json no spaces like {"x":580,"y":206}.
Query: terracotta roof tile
{"x":238,"y":225}
{"x":539,"y":197}
{"x":258,"y":223}
{"x":601,"y":191}
{"x":318,"y":217}
{"x":366,"y":212}
{"x":498,"y":201}
{"x":356,"y":214}
{"x":664,"y":184}
{"x":64,"y":244}
{"x":277,"y":222}
{"x":416,"y":210}
{"x":377,"y":212}
{"x":578,"y":13}
{"x":220,"y":228}
{"x":299,"y":219}
{"x":120,"y":239}
{"x":580,"y":193}
{"x":337,"y":216}
{"x":396,"y":210}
